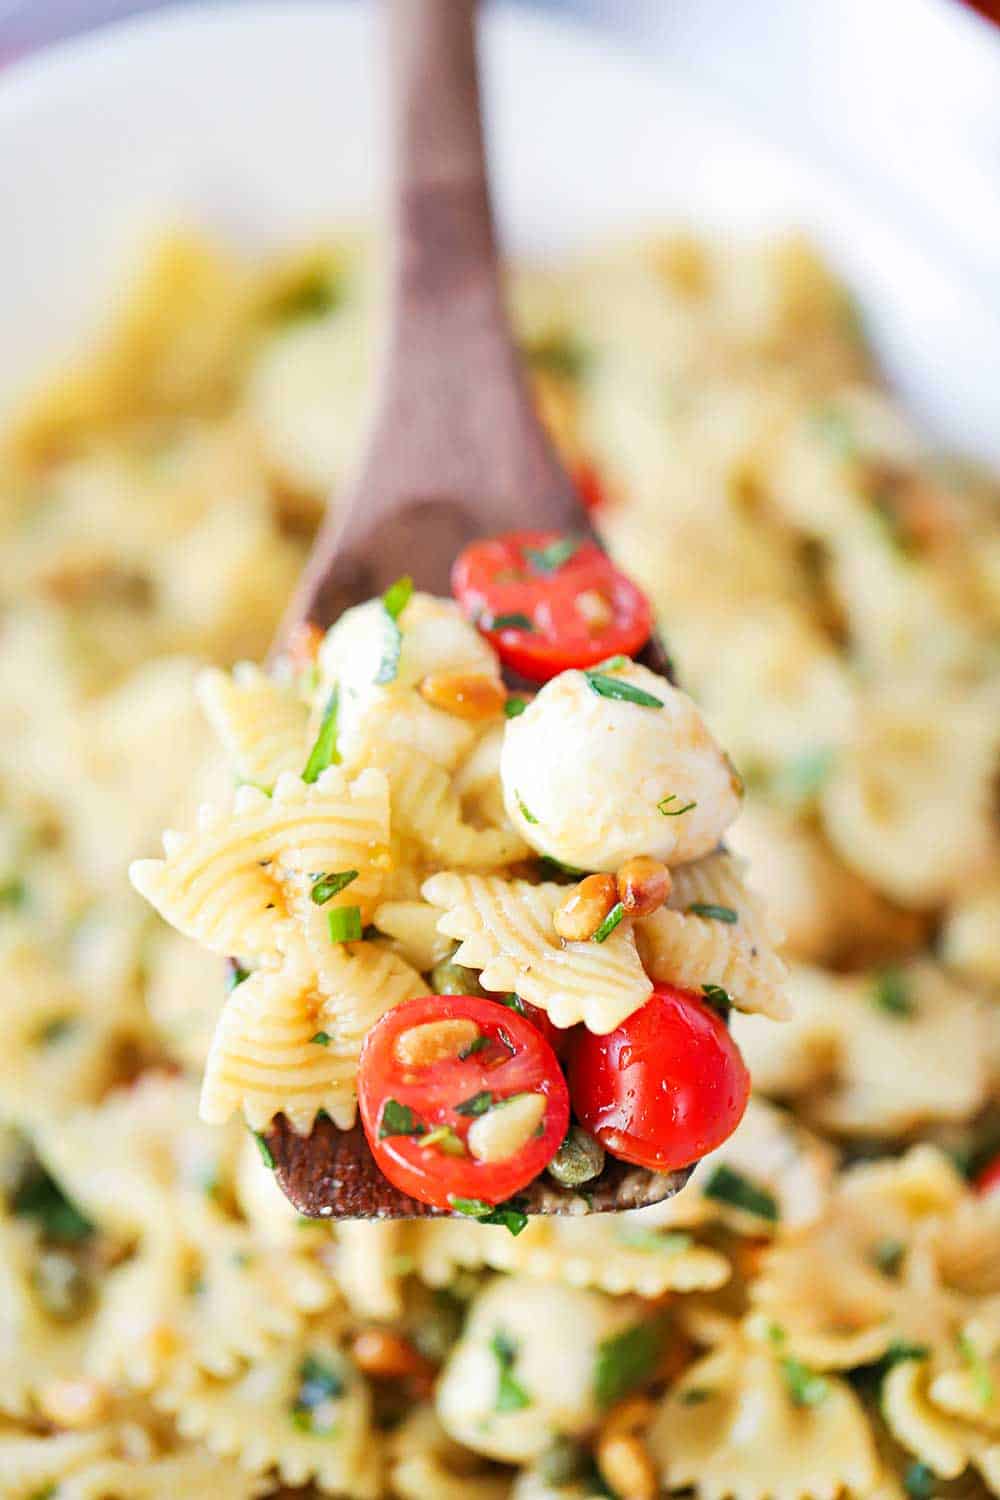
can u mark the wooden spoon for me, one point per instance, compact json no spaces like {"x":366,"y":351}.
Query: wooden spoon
{"x":456,"y":451}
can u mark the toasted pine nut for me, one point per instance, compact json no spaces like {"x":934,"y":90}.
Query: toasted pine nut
{"x":583,"y":909}
{"x":434,"y":1041}
{"x":501,"y":1132}
{"x":594,"y":610}
{"x":643,"y":885}
{"x":467,"y":695}
{"x":385,"y":1355}
{"x":631,"y":1415}
{"x":73,"y":1403}
{"x":626,"y":1466}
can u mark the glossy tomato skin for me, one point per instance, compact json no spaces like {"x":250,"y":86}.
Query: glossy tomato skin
{"x":514,"y":1058}
{"x":988,"y":1180}
{"x":506,"y":578}
{"x":556,"y":1036}
{"x":663,"y":1089}
{"x":590,"y":486}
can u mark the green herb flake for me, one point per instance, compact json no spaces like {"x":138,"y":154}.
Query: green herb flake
{"x":732,"y":1188}
{"x":397,"y":596}
{"x":663,"y":806}
{"x":479,"y":1045}
{"x":325,"y":887}
{"x":320,"y":1387}
{"x":612,"y":664}
{"x":626,"y":1361}
{"x":13,"y":893}
{"x":513,"y":621}
{"x":324,"y":752}
{"x":266,"y":1154}
{"x":477,"y":1105}
{"x":623,"y":692}
{"x":388,"y":667}
{"x":443,"y":1138}
{"x":919,"y":1482}
{"x":805,"y":1386}
{"x":549,"y":559}
{"x":236,"y":976}
{"x":695,"y":1395}
{"x":399,"y":1119}
{"x":344,"y":924}
{"x":515,"y":706}
{"x":509,"y":1216}
{"x":57,"y":1030}
{"x":714,"y":913}
{"x":313,"y":296}
{"x":611,"y":921}
{"x":40,"y":1197}
{"x":888,"y":1255}
{"x":527,"y":815}
{"x":321,"y":1038}
{"x":718,"y":998}
{"x":558,"y":354}
{"x":511,"y":1395}
{"x":899,"y":1351}
{"x":978,"y":1367}
{"x":891,"y":994}
{"x":513,"y":1002}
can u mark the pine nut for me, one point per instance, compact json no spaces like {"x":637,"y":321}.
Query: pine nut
{"x":627,"y":1467}
{"x":467,"y":695}
{"x":643,"y":884}
{"x":385,"y":1355}
{"x":435,"y":1041}
{"x":73,"y":1403}
{"x":594,"y":610}
{"x":501,"y":1132}
{"x":583,"y":909}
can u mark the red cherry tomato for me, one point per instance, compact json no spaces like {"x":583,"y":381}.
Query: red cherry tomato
{"x":590,"y":485}
{"x":988,"y":1180}
{"x":548,"y":602}
{"x":417,"y":1118}
{"x":663,"y":1089}
{"x":556,"y":1036}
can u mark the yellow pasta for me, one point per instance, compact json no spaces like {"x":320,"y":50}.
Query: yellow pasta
{"x":262,"y":725}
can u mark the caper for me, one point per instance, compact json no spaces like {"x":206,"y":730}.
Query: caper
{"x":450,"y":978}
{"x":563,"y":1462}
{"x":439,"y":1327}
{"x":578,"y":1159}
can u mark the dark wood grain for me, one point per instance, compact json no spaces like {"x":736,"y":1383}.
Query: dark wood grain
{"x":456,"y":451}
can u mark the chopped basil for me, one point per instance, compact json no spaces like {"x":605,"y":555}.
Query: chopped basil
{"x":39,"y":1197}
{"x":626,"y":1360}
{"x":549,"y":559}
{"x":664,"y":1241}
{"x":321,"y":1038}
{"x":888,"y":1256}
{"x":319,"y":1387}
{"x":13,"y":893}
{"x":528,"y":816}
{"x":890,"y":993}
{"x":919,"y":1482}
{"x":477,"y":1105}
{"x":513,"y":1002}
{"x":611,"y":921}
{"x":487,"y":1213}
{"x":663,"y":806}
{"x":324,"y":752}
{"x":327,"y":886}
{"x":694,"y":1395}
{"x":511,"y":1395}
{"x":978,"y":1368}
{"x":718,"y":998}
{"x":479,"y":1045}
{"x":266,"y":1154}
{"x":805,"y":1386}
{"x":344,"y":923}
{"x":716,"y":913}
{"x":727,"y":1186}
{"x":558,"y":354}
{"x":236,"y":976}
{"x":445,"y":1139}
{"x":399,"y":1119}
{"x":561,"y":871}
{"x":397,"y":596}
{"x":515,"y":621}
{"x":624,"y":692}
{"x":515,"y":706}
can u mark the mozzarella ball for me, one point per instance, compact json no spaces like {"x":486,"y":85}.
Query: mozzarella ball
{"x":591,"y":780}
{"x":436,"y":637}
{"x":547,"y":1337}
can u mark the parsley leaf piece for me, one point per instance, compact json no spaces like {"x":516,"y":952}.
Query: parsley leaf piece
{"x":511,"y":1395}
{"x":236,"y":976}
{"x":327,"y":886}
{"x":266,"y":1154}
{"x":718,"y":998}
{"x":727,"y":1186}
{"x":514,"y":707}
{"x":611,"y":921}
{"x":716,"y":913}
{"x":477,"y":1105}
{"x":626,"y":1360}
{"x":513,"y":1002}
{"x":40,"y":1197}
{"x":624,"y":692}
{"x":526,"y":814}
{"x":345,"y":924}
{"x":514,"y":621}
{"x":397,"y":596}
{"x":919,"y":1482}
{"x":548,"y":560}
{"x":805,"y":1386}
{"x":663,"y":806}
{"x":399,"y":1119}
{"x":324,"y":752}
{"x":477,"y":1208}
{"x":321,"y":1038}
{"x":890,"y":993}
{"x":479,"y":1045}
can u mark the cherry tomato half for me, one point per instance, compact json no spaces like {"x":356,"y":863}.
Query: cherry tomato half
{"x":663,"y":1089}
{"x":988,"y":1180}
{"x":418,"y":1115}
{"x":556,"y":1036}
{"x":549,"y":602}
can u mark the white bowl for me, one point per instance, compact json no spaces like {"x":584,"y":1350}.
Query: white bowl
{"x":258,"y":120}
